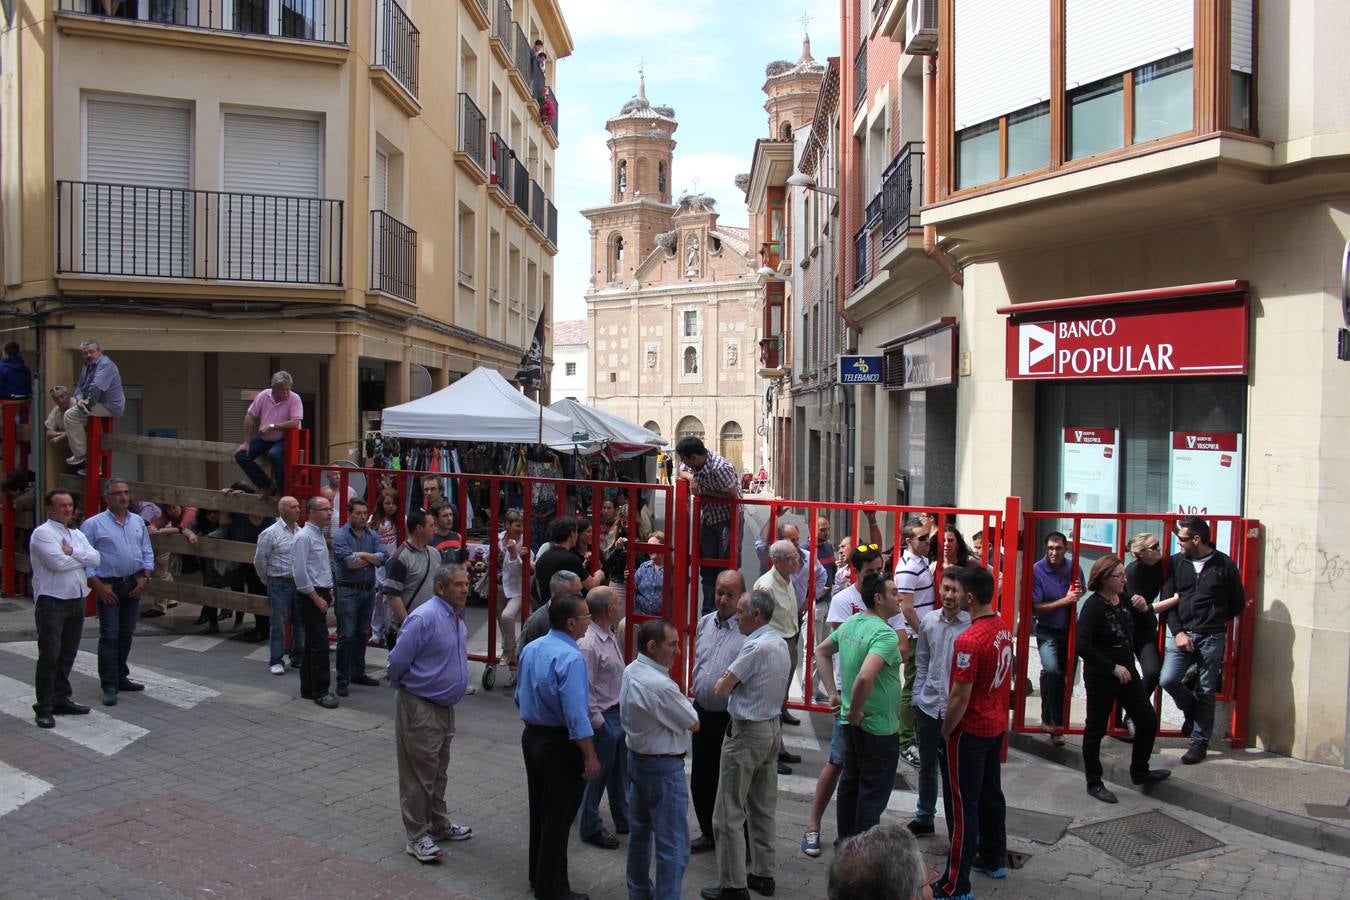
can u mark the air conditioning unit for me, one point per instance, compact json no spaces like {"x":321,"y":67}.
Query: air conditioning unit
{"x":921,"y":27}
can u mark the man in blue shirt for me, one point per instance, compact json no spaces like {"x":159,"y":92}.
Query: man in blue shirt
{"x":97,"y":393}
{"x":552,"y":693}
{"x":1055,"y":587}
{"x":357,"y":553}
{"x":125,"y":563}
{"x":313,"y":598}
{"x":430,"y":667}
{"x":16,"y":381}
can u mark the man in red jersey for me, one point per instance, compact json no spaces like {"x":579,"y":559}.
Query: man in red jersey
{"x":972,"y":735}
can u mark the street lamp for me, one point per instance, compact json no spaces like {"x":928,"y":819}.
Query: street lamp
{"x":802,"y":180}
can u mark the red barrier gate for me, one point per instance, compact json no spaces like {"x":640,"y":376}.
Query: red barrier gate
{"x":1243,"y":544}
{"x":14,"y":458}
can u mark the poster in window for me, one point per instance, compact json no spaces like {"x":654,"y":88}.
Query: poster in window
{"x":1090,"y":464}
{"x":1206,"y":478}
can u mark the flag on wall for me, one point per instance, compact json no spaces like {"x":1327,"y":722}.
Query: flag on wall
{"x":531,"y":369}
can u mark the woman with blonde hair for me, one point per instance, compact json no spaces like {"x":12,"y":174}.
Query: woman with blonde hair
{"x":1144,"y":578}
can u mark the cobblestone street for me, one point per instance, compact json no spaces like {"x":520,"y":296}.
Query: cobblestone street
{"x":219,"y":781}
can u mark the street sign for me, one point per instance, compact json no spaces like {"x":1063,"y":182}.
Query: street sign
{"x":860,"y":369}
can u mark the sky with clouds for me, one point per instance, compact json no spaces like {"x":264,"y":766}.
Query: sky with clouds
{"x":706,"y":59}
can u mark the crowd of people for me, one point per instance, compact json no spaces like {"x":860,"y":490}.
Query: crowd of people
{"x":914,"y":660}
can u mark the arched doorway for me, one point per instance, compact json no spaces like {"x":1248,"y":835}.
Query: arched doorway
{"x":732,"y":439}
{"x":689,"y":426}
{"x":652,"y":427}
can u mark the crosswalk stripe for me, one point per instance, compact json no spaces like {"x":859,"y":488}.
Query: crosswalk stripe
{"x":805,"y":740}
{"x":18,"y":788}
{"x":164,"y":688}
{"x":94,"y":731}
{"x":197,"y":643}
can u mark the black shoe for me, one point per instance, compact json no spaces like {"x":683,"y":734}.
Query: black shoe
{"x":788,"y":718}
{"x":213,"y":627}
{"x":760,"y":884}
{"x":620,"y":829}
{"x":202,"y":619}
{"x":783,"y":769}
{"x":69,"y":708}
{"x":1100,"y":792}
{"x":45,"y":720}
{"x":1192,"y":756}
{"x":152,"y":613}
{"x":702,"y":844}
{"x":602,"y":838}
{"x":1152,"y":776}
{"x":365,"y":681}
{"x":784,"y":756}
{"x":918,"y":828}
{"x":724,"y":893}
{"x":255,"y":637}
{"x":342,"y":690}
{"x":126,"y":684}
{"x":109,"y":696}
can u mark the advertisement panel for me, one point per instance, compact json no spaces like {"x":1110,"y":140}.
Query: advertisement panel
{"x":1206,"y":477}
{"x":1090,"y":478}
{"x":860,"y":369}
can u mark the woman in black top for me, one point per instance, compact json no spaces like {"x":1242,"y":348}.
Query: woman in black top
{"x":1105,"y":643}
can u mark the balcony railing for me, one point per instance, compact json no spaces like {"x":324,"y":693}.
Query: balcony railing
{"x":472,"y":131}
{"x":393,"y":256}
{"x":143,"y":231}
{"x":860,"y":76}
{"x":523,"y":54}
{"x":399,"y":44}
{"x":860,"y":242}
{"x":501,"y":24}
{"x":901,"y":193}
{"x":552,"y":231}
{"x":500,"y":159}
{"x":538,"y":215}
{"x":872,"y":215}
{"x":520,"y":186}
{"x":322,"y":21}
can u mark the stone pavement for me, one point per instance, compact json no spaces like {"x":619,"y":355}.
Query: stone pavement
{"x":218,"y":781}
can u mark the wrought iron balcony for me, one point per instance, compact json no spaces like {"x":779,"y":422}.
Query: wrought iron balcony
{"x":523,"y":54}
{"x":322,"y":21}
{"x":860,"y":76}
{"x":520,"y":186}
{"x":472,"y":131}
{"x":398,"y":44}
{"x":143,"y":231}
{"x":860,"y":247}
{"x":548,"y":110}
{"x":538,"y":215}
{"x":501,"y":25}
{"x":393,"y":256}
{"x":552,"y":231}
{"x":901,"y":194}
{"x":499,"y":175}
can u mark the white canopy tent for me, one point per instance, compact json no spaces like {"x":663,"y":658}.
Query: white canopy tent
{"x":480,"y":407}
{"x":624,"y":437}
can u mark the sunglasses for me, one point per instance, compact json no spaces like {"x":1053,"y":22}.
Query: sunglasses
{"x":922,"y":539}
{"x":869,"y":547}
{"x":1154,"y":547}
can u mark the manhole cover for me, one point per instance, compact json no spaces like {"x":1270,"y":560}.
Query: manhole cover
{"x":1145,"y":838}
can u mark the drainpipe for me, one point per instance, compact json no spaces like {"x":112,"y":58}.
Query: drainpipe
{"x":935,"y":253}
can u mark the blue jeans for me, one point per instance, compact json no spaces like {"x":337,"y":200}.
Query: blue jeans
{"x":658,"y":800}
{"x":355,"y":605}
{"x":276,"y":455}
{"x":1197,"y":706}
{"x":867,"y":780}
{"x":612,"y":751}
{"x":929,"y":731}
{"x":1054,"y":649}
{"x":116,"y":625}
{"x":281,"y":597}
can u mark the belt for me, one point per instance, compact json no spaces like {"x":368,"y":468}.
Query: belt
{"x":358,"y":584}
{"x":659,"y":755}
{"x":281,"y":578}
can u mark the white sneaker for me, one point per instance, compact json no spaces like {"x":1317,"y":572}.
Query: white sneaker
{"x":424,"y":850}
{"x":75,"y":460}
{"x":277,"y":669}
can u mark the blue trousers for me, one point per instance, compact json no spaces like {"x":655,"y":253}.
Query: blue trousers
{"x":276,"y":455}
{"x":281,"y":597}
{"x":929,"y":731}
{"x":1198,"y":706}
{"x":972,"y":795}
{"x":116,"y":625}
{"x":611,"y":748}
{"x":354,"y":608}
{"x":867,"y":780}
{"x":658,"y":802}
{"x":1054,"y":651}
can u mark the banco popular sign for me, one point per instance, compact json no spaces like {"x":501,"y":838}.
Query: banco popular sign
{"x":1185,"y":338}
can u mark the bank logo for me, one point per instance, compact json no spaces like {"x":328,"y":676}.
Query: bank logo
{"x":1190,"y":441}
{"x":1036,"y":349}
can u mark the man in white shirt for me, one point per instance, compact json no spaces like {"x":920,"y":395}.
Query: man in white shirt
{"x":786,"y":562}
{"x":59,"y":557}
{"x":657,"y":719}
{"x":272,"y":560}
{"x":914,"y":583}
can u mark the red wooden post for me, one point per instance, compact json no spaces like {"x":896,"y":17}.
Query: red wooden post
{"x":10,"y":457}
{"x":1242,"y":690}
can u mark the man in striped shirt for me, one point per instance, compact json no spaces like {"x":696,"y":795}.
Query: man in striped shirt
{"x":714,"y":479}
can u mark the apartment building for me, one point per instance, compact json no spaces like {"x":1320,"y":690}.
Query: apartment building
{"x":570,"y":377}
{"x":216,"y":189}
{"x":1128,"y":230}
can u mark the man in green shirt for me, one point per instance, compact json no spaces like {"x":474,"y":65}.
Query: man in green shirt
{"x":869,"y":673}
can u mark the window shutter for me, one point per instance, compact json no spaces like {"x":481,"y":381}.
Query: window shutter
{"x":1240,"y":51}
{"x":379,"y":192}
{"x":1104,"y":38}
{"x":1002,"y":58}
{"x":132,"y":143}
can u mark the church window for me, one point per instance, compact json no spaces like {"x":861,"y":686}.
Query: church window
{"x":785,"y":132}
{"x":622,"y":185}
{"x":691,"y":323}
{"x":614,"y":258}
{"x":661,"y":179}
{"x":690,"y":360}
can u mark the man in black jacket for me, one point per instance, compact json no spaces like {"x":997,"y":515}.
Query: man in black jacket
{"x":1209,"y":589}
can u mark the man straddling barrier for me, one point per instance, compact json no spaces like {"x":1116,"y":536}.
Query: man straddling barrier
{"x":125,"y":563}
{"x":272,"y":561}
{"x":1209,"y":588}
{"x":1055,"y":587}
{"x":313,"y":575}
{"x":357,"y":553}
{"x":430,"y":668}
{"x":97,"y":393}
{"x":716,"y":644}
{"x":747,"y":792}
{"x":272,"y":413}
{"x":604,"y":665}
{"x":657,"y":719}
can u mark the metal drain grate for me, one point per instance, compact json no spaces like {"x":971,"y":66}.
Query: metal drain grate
{"x":1145,"y":838}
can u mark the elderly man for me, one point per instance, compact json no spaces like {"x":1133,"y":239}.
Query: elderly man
{"x":882,"y":863}
{"x":777,"y":583}
{"x":272,"y":560}
{"x":430,"y":668}
{"x":557,"y":742}
{"x":808,"y":583}
{"x":747,"y":792}
{"x":271,"y":414}
{"x":604,"y":665}
{"x":714,"y":479}
{"x":314,"y":596}
{"x":358,"y":553}
{"x":716,"y":644}
{"x":55,"y":423}
{"x":563,"y":583}
{"x":97,"y":393}
{"x":125,"y":563}
{"x":657,"y":719}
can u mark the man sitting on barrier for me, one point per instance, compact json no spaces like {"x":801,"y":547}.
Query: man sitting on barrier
{"x":1055,"y":586}
{"x":55,"y":422}
{"x":714,"y":479}
{"x":97,"y":393}
{"x":271,"y":414}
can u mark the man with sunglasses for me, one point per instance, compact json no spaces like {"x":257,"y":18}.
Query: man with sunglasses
{"x":1208,"y":588}
{"x":914,"y":583}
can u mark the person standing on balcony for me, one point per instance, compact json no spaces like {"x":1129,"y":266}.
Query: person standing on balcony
{"x":16,"y":381}
{"x":97,"y":393}
{"x":271,"y":414}
{"x":714,"y":479}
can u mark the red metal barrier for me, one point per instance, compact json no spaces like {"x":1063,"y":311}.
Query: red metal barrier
{"x":1243,"y":546}
{"x":14,"y":458}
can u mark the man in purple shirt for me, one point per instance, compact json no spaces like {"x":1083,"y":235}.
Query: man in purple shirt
{"x":430,"y":667}
{"x":604,"y":666}
{"x":271,"y":414}
{"x":1055,"y":587}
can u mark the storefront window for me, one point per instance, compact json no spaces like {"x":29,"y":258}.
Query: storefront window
{"x":1097,"y":117}
{"x":1163,"y":98}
